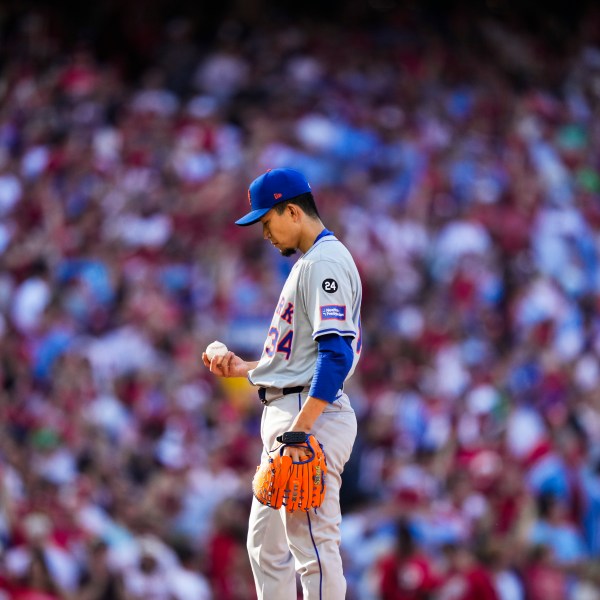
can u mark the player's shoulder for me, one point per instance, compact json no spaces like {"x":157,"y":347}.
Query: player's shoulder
{"x":329,"y":257}
{"x":328,"y":249}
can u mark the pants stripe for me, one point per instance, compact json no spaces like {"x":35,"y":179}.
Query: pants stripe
{"x":310,"y":530}
{"x":318,"y":557}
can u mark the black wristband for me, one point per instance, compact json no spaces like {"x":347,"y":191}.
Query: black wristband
{"x":293,"y":437}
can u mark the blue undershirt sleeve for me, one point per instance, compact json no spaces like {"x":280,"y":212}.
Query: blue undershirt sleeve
{"x":334,"y":362}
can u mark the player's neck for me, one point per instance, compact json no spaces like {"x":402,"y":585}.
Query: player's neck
{"x":312,"y":228}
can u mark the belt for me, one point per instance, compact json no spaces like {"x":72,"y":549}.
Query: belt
{"x":278,"y":392}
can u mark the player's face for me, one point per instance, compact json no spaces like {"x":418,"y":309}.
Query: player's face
{"x":280,"y":230}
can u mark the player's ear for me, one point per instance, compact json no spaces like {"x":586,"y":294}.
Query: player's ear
{"x":294,"y":212}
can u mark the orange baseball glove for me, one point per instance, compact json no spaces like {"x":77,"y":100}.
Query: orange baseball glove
{"x":279,"y":481}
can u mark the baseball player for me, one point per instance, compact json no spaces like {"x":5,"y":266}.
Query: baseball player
{"x":312,"y":347}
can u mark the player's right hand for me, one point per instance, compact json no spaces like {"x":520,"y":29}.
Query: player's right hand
{"x":229,"y":365}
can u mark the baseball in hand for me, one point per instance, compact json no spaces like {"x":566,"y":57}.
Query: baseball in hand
{"x":216,"y":349}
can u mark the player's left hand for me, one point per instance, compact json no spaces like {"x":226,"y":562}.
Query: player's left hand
{"x":292,"y":475}
{"x":297,"y":453}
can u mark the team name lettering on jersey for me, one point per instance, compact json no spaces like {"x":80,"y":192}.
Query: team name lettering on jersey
{"x":288,"y":313}
{"x":284,"y":344}
{"x":280,"y":305}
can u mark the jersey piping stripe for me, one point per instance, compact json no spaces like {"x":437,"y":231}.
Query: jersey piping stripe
{"x":333,"y":330}
{"x":318,"y":557}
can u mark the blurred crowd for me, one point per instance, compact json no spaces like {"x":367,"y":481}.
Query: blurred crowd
{"x":458,"y":159}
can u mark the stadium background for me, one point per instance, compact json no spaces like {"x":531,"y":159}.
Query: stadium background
{"x":455,"y":149}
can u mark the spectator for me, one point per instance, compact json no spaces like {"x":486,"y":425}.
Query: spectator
{"x":406,"y":574}
{"x":188,"y":582}
{"x":465,"y":577}
{"x":36,"y":583}
{"x":553,"y":529}
{"x":99,"y":582}
{"x":544,"y":578}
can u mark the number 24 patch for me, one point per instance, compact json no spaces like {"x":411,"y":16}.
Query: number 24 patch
{"x":330,"y":285}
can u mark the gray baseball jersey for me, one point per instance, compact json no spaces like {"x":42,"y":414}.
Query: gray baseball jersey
{"x":321,"y":295}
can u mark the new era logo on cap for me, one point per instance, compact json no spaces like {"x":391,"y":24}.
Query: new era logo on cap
{"x":271,"y":188}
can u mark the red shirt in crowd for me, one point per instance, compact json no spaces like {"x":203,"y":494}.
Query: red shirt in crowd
{"x":545,"y":582}
{"x":472,"y":584}
{"x":406,"y":578}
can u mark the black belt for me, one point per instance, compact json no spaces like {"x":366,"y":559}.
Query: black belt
{"x":262,"y":392}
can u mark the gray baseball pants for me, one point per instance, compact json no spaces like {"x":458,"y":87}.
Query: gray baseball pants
{"x":281,"y":543}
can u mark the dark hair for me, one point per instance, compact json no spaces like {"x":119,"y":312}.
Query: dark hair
{"x":545,"y":503}
{"x":304,"y":201}
{"x":405,"y":541}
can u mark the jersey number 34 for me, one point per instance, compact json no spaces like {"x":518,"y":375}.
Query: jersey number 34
{"x":274,"y":344}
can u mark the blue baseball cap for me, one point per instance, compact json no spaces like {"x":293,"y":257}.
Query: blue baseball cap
{"x":271,"y":188}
